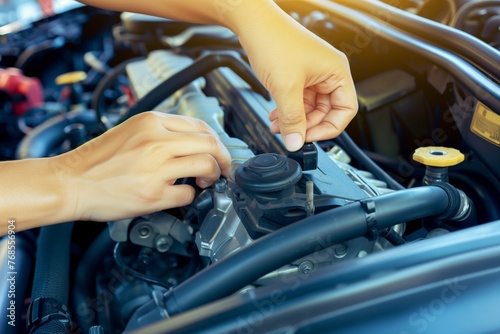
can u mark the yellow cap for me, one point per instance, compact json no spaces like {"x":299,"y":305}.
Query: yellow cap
{"x":438,"y":156}
{"x":71,"y":78}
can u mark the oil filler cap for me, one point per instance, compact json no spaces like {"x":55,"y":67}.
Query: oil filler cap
{"x":438,"y":156}
{"x":268,"y":173}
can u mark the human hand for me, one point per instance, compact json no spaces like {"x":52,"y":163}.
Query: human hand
{"x":131,"y":169}
{"x":308,"y":78}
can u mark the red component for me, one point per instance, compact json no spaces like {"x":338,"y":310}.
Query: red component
{"x":16,"y":84}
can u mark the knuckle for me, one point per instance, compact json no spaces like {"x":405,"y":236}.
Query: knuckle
{"x":208,"y":164}
{"x":146,"y":117}
{"x":148,"y":195}
{"x":201,"y":125}
{"x":185,"y":196}
{"x":213,"y":143}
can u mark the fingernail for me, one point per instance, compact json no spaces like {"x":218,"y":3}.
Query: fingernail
{"x":293,"y":142}
{"x":202,"y":183}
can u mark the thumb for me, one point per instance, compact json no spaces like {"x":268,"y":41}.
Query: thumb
{"x":292,"y":118}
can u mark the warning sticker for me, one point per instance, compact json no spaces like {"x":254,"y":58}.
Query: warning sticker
{"x":486,"y":124}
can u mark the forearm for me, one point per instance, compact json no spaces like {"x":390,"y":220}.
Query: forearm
{"x":233,"y":14}
{"x":31,"y":194}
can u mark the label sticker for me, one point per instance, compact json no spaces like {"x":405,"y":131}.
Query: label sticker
{"x":486,"y":124}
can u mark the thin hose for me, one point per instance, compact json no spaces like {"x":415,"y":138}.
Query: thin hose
{"x":198,"y":68}
{"x":466,"y":9}
{"x":300,"y":239}
{"x":353,"y":149}
{"x":117,"y":254}
{"x":98,"y":99}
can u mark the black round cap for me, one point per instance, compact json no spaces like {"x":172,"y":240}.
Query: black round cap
{"x":268,"y":173}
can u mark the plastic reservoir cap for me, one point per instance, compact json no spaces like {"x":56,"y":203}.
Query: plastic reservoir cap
{"x":267,"y":173}
{"x":438,"y":156}
{"x":71,"y":78}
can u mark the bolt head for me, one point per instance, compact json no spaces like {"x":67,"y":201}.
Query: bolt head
{"x":163,"y":243}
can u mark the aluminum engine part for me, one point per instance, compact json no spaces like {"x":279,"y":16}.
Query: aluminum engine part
{"x":159,"y":230}
{"x":222,"y":232}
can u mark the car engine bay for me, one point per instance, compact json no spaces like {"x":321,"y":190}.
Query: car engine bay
{"x":393,"y":226}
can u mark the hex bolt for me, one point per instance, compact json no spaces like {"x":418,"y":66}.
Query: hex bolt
{"x":144,"y":231}
{"x":163,"y":243}
{"x":306,"y":267}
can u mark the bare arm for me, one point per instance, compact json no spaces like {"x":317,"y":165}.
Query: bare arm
{"x":230,"y":13}
{"x":128,"y":171}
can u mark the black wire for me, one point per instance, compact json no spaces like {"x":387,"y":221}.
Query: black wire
{"x":117,"y":254}
{"x":393,"y":237}
{"x":353,"y":149}
{"x":98,"y":100}
{"x":198,"y":68}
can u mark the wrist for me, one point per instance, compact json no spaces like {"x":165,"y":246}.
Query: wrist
{"x":242,"y":16}
{"x":65,"y":188}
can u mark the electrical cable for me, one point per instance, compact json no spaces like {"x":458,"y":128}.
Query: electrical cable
{"x":117,"y":254}
{"x":353,"y":150}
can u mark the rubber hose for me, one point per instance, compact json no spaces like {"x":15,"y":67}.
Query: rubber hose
{"x":52,"y":262}
{"x":466,"y":9}
{"x":42,"y":139}
{"x":441,"y":259}
{"x":28,"y":55}
{"x":449,"y":38}
{"x":98,"y":101}
{"x":491,"y":27}
{"x":198,"y":68}
{"x":393,"y":237}
{"x":353,"y":149}
{"x":300,"y":239}
{"x":85,"y":278}
{"x":53,"y":327}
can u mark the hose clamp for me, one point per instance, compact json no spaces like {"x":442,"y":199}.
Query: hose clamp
{"x":369,"y":207}
{"x":46,"y":309}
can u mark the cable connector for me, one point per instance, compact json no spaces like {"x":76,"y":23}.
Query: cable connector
{"x":368,"y":205}
{"x":307,"y":156}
